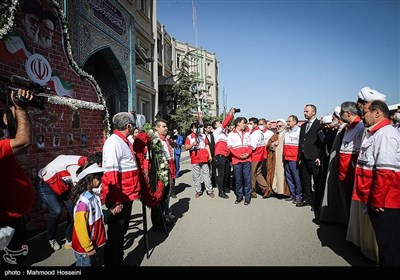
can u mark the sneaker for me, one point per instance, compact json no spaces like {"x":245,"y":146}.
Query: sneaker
{"x":211,"y":194}
{"x":54,"y":244}
{"x":67,"y":245}
{"x":198,"y":194}
{"x":246,"y":202}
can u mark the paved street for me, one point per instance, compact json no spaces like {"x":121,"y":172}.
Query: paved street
{"x":216,"y":232}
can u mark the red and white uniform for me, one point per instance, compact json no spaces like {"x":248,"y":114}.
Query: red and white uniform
{"x":291,"y":144}
{"x":221,"y":139}
{"x":375,"y":181}
{"x":239,"y":144}
{"x":63,"y":167}
{"x":120,"y":180}
{"x":16,"y":191}
{"x":258,"y":144}
{"x":199,"y":153}
{"x":169,"y":155}
{"x":349,"y":150}
{"x":267,"y":135}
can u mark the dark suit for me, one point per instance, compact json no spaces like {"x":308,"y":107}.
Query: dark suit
{"x":211,"y":144}
{"x":309,"y":150}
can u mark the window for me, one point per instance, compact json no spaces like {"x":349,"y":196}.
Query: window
{"x":209,"y":69}
{"x":146,"y":51}
{"x":178,"y":62}
{"x":143,"y":6}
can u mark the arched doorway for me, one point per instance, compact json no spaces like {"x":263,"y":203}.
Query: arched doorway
{"x":105,"y":68}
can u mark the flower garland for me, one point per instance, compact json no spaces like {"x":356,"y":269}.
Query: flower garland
{"x":7,"y":14}
{"x":157,"y":153}
{"x":73,"y":103}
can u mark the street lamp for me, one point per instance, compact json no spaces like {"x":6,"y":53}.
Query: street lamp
{"x":198,"y":93}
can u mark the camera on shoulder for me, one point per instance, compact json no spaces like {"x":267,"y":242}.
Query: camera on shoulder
{"x":237,"y":110}
{"x":16,"y":82}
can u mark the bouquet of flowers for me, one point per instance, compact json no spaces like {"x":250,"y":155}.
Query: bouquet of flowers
{"x":157,"y":156}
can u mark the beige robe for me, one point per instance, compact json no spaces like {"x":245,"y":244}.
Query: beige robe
{"x":276,"y":172}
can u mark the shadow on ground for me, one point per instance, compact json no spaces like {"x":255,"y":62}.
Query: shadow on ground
{"x":154,"y":238}
{"x":39,"y":247}
{"x":333,"y":236}
{"x":181,"y":187}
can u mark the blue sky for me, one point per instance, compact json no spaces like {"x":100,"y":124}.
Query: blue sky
{"x":277,"y":56}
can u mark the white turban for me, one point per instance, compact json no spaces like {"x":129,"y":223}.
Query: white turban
{"x":368,"y":94}
{"x":337,"y":111}
{"x":282,"y":121}
{"x":327,"y":119}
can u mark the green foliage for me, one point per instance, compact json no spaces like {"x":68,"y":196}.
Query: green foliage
{"x":181,"y":100}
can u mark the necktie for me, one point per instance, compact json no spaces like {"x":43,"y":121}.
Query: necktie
{"x":308,"y":126}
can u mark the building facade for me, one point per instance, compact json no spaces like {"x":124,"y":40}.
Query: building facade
{"x":205,"y":66}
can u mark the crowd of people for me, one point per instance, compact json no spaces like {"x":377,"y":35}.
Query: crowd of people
{"x":345,"y":166}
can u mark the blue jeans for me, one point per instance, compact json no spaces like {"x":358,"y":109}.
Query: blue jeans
{"x":94,"y":260}
{"x":177,"y":164}
{"x":53,"y":203}
{"x":82,"y":259}
{"x":292,"y":175}
{"x":242,"y":173}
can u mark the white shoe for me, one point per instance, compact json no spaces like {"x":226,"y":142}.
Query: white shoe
{"x":67,"y":244}
{"x":54,"y":244}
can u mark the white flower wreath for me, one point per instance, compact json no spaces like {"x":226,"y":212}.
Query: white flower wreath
{"x":7,"y":12}
{"x":158,"y":155}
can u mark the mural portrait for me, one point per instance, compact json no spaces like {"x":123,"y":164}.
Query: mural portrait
{"x":31,"y":12}
{"x":84,"y":139}
{"x":40,"y":141}
{"x":56,"y":140}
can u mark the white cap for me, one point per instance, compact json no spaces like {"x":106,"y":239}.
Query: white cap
{"x":368,"y":94}
{"x":94,"y":168}
{"x":327,"y":119}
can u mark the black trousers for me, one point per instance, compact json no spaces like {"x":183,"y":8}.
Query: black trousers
{"x":158,"y":212}
{"x":387,"y":232}
{"x":309,"y":170}
{"x":222,"y":173}
{"x":117,"y":227}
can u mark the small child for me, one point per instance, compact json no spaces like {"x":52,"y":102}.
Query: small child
{"x":89,"y":234}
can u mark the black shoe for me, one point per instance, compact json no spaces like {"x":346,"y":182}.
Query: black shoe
{"x":246,"y":202}
{"x":238,"y":200}
{"x":159,"y":229}
{"x":169,"y":223}
{"x":227,"y":191}
{"x":173,"y":195}
{"x":223,"y":195}
{"x":303,"y":203}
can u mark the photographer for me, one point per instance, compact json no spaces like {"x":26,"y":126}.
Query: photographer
{"x":197,"y":145}
{"x":222,"y":153}
{"x":16,"y":191}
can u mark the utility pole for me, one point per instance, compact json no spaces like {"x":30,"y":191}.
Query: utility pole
{"x":198,"y":89}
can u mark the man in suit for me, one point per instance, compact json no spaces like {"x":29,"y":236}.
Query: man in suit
{"x":309,"y":155}
{"x":211,"y":142}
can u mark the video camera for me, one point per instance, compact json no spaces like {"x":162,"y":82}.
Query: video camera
{"x":16,"y":82}
{"x":237,"y":110}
